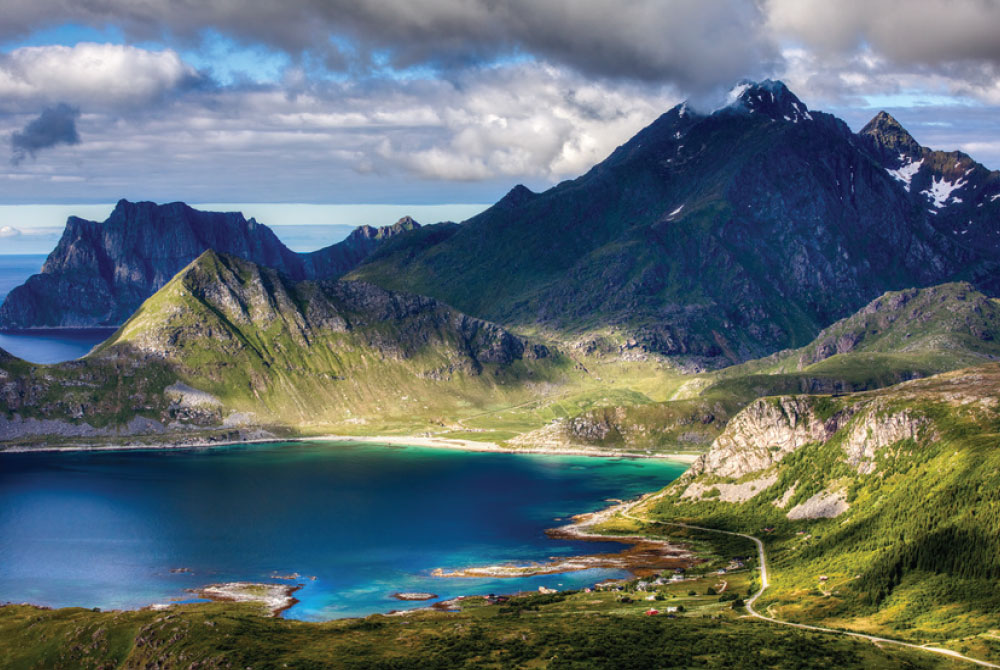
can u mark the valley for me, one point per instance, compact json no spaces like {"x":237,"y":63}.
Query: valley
{"x":773,"y":343}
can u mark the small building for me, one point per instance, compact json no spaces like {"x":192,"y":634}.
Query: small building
{"x":672,"y":609}
{"x":652,"y":612}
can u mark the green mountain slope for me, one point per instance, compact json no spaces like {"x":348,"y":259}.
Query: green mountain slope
{"x":899,"y":336}
{"x":883,"y":507}
{"x":227,"y":343}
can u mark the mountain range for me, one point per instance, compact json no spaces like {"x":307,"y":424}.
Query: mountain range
{"x":810,"y":310}
{"x":228,"y":347}
{"x":708,"y":238}
{"x":715,"y":238}
{"x":100,"y":272}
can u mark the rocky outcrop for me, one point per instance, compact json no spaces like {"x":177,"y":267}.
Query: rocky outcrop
{"x":765,"y":432}
{"x":729,"y":492}
{"x":877,"y":429}
{"x":771,"y":428}
{"x":100,"y":273}
{"x":823,"y":505}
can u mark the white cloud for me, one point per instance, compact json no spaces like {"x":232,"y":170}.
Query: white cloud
{"x":93,"y":76}
{"x":9,"y":231}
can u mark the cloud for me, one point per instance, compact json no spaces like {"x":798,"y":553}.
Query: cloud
{"x":9,"y":231}
{"x":55,"y":125}
{"x":930,"y":32}
{"x":91,"y":75}
{"x":694,"y":45}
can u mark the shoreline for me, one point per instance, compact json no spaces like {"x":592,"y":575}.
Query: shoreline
{"x":642,"y":556}
{"x":391,"y":440}
{"x":279,"y":598}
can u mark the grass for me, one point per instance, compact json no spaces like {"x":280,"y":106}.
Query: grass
{"x":568,"y":630}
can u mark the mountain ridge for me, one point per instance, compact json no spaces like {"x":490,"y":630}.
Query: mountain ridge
{"x":707,"y":238}
{"x":100,"y":272}
{"x":228,"y":345}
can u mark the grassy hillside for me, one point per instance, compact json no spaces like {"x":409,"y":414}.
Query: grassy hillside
{"x":880,"y":510}
{"x":901,"y":335}
{"x":569,"y":631}
{"x":229,"y":344}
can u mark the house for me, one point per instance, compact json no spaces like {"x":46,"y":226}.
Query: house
{"x":642,"y":586}
{"x":672,"y":610}
{"x":653,"y":597}
{"x":677,"y":578}
{"x":652,"y":612}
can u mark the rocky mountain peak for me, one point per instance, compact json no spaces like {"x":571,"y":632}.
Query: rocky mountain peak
{"x":770,"y":98}
{"x":517,"y":196}
{"x":887,"y":137}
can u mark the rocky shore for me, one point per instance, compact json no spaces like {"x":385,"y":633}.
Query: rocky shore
{"x":276,"y":598}
{"x":642,"y":558}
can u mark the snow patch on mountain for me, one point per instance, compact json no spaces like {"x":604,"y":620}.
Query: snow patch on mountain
{"x":906,"y":172}
{"x":941,"y":191}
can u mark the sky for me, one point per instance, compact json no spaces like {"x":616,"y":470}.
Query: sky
{"x":364,"y":102}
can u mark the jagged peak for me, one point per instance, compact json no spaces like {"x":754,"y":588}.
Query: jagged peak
{"x":769,"y":97}
{"x":406,"y":222}
{"x":889,"y":137}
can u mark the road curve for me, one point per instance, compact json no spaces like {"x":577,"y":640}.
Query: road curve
{"x":627,"y":513}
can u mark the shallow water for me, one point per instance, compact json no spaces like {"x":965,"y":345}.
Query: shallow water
{"x":105,"y":529}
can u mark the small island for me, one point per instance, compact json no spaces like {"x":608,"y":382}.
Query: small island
{"x":416,"y":596}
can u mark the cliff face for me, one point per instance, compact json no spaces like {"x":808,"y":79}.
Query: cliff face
{"x":99,"y":273}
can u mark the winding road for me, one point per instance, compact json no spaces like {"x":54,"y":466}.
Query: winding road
{"x":626,"y":511}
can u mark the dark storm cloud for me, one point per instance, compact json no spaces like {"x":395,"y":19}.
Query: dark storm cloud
{"x":693,"y":44}
{"x":55,"y":125}
{"x":931,"y":32}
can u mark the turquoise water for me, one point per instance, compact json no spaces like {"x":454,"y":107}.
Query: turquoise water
{"x":105,"y":529}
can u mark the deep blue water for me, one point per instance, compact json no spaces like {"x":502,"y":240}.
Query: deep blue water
{"x":15,"y":268}
{"x":105,"y":529}
{"x":42,"y":346}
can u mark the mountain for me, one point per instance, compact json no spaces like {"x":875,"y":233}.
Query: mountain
{"x":99,"y":273}
{"x":899,"y":336}
{"x":231,"y":346}
{"x":710,"y":238}
{"x":961,"y":196}
{"x":878,"y":506}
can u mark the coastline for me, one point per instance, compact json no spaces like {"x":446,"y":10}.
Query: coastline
{"x":644,"y":556}
{"x":393,"y":440}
